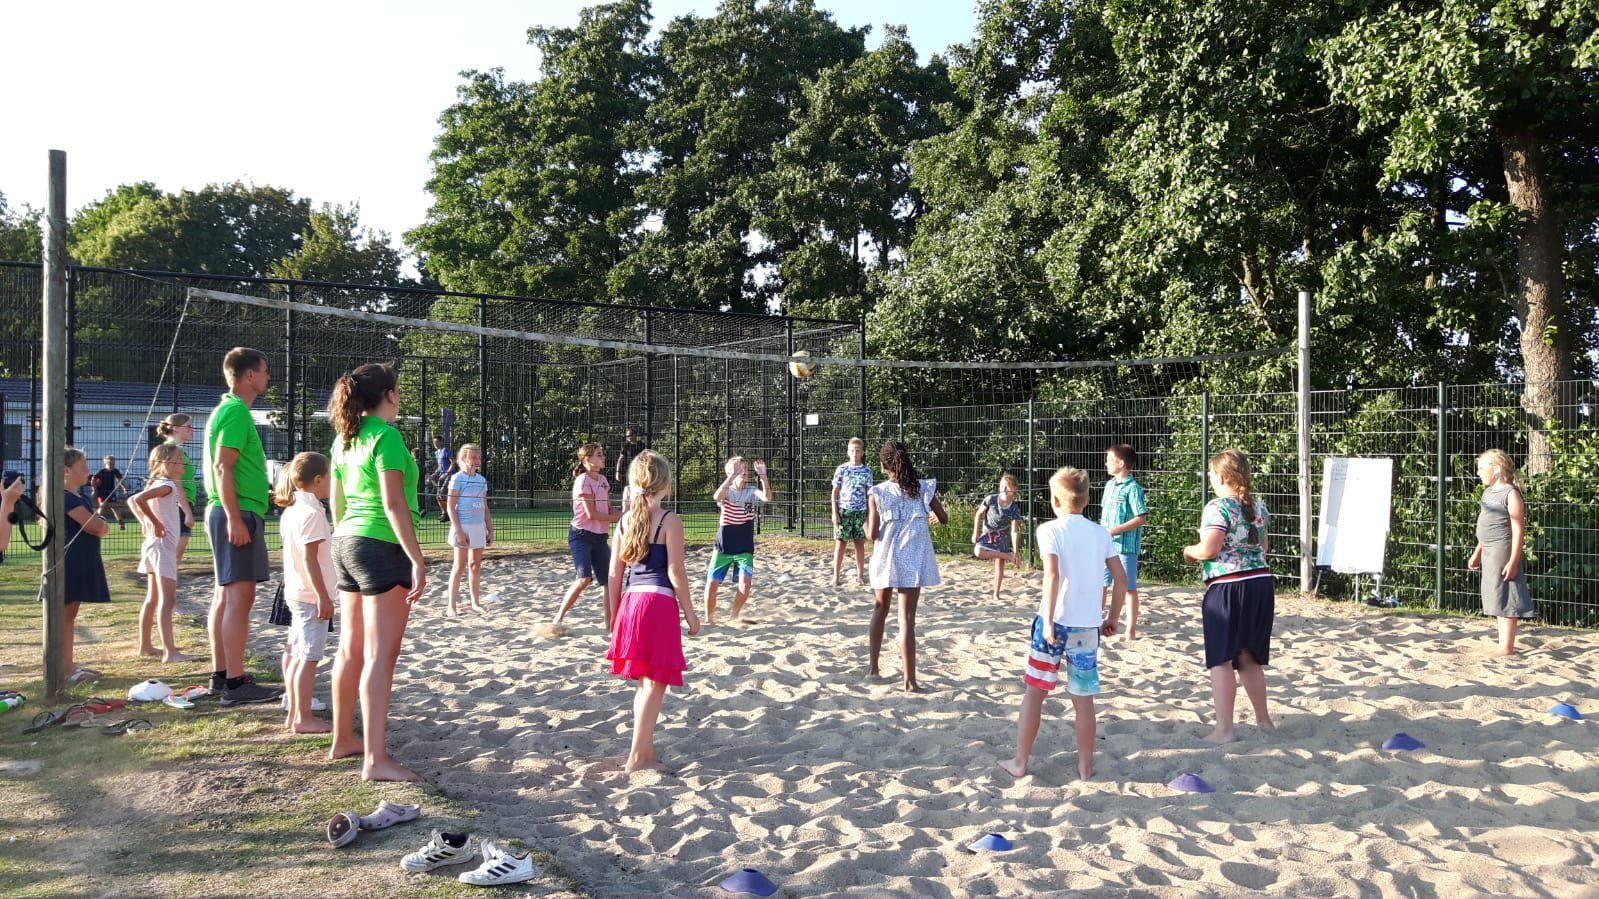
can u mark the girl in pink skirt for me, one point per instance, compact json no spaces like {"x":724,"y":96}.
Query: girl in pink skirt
{"x":646,"y":643}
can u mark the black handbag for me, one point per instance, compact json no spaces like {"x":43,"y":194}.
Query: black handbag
{"x":280,"y":614}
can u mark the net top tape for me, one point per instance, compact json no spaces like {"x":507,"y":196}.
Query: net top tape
{"x":628,"y":346}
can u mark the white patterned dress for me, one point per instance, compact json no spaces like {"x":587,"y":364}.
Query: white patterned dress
{"x":902,"y":557}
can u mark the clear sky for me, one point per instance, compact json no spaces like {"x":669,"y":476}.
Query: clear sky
{"x":336,"y":100}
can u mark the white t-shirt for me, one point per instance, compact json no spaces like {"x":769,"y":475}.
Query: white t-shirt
{"x":1081,"y":546}
{"x":305,"y":523}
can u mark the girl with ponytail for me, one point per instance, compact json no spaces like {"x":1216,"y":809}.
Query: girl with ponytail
{"x":591,"y":520}
{"x":646,"y":643}
{"x":376,"y":558}
{"x":176,"y":429}
{"x":897,"y":515}
{"x":1240,"y":596}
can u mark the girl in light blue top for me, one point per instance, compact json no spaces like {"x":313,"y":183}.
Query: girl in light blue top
{"x":471,"y":527}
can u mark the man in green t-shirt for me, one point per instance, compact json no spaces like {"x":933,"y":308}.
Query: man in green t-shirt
{"x":235,"y":523}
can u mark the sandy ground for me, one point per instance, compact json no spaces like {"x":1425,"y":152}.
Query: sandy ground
{"x":788,"y":760}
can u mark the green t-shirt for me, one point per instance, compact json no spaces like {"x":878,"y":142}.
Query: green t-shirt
{"x":377,"y":447}
{"x":232,"y":427}
{"x":188,"y":478}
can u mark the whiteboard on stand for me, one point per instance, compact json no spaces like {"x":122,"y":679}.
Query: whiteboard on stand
{"x":1356,"y":500}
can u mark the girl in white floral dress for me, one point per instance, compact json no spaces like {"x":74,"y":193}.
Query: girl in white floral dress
{"x":898,"y":512}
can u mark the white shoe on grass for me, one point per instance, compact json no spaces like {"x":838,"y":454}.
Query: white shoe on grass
{"x":500,"y":867}
{"x":317,"y":705}
{"x":443,"y":849}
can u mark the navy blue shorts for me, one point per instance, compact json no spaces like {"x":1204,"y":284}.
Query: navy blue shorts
{"x":1238,"y":616}
{"x":591,"y":555}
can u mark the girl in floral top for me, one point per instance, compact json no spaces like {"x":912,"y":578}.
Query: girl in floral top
{"x":1240,"y":599}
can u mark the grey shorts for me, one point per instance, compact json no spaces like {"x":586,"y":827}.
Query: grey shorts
{"x":369,"y":566}
{"x":308,"y":634}
{"x":233,"y":564}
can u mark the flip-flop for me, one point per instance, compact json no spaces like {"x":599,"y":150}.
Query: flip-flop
{"x":343,"y":828}
{"x":44,"y":720}
{"x":126,"y":727}
{"x":178,"y":702}
{"x":389,"y":814}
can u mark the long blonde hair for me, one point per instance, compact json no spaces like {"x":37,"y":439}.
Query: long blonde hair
{"x":1501,"y":460}
{"x":650,"y":475}
{"x":298,"y":475}
{"x":1231,"y":467}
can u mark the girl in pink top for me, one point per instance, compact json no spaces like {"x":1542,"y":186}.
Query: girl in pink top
{"x":591,"y":519}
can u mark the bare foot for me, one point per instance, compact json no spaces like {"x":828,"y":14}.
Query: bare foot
{"x":312,"y":726}
{"x":452,"y":612}
{"x":151,"y":651}
{"x":389,"y":770}
{"x":1085,"y":772}
{"x":641,"y":765}
{"x":1219,"y":736}
{"x":1013,"y":768}
{"x":478,"y":608}
{"x":1265,"y":723}
{"x":177,"y":656}
{"x":344,"y":750}
{"x":1132,"y":634}
{"x":837,"y":580}
{"x":912,"y":687}
{"x":1501,"y":653}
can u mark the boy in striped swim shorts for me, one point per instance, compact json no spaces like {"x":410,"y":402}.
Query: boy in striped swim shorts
{"x":1071,"y":619}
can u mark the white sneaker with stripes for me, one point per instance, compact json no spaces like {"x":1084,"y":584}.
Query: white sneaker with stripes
{"x":443,"y":849}
{"x":500,"y":867}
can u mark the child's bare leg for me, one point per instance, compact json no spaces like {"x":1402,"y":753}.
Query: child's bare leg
{"x":742,"y":596}
{"x":874,"y":638}
{"x":860,"y":560}
{"x":711,"y":586}
{"x":300,"y":689}
{"x":167,"y":601}
{"x":1086,"y":727}
{"x":999,"y":576}
{"x":572,"y":593}
{"x":1026,"y":731}
{"x":147,"y":615}
{"x":457,"y":563}
{"x":838,"y":562}
{"x":1132,"y":614}
{"x":646,"y":710}
{"x":1224,"y":690}
{"x":67,"y":667}
{"x":1253,"y":677}
{"x":1507,"y":637}
{"x":475,"y":579}
{"x":907,"y":634}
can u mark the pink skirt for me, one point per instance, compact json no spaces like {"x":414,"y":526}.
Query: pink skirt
{"x":648,"y":639}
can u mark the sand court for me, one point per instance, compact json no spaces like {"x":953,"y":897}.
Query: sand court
{"x":787,"y":759}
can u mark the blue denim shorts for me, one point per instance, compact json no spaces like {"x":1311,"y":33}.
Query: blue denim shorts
{"x":1129,"y":565}
{"x":591,"y":555}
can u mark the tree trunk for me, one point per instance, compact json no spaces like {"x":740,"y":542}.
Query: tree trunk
{"x":1540,"y":301}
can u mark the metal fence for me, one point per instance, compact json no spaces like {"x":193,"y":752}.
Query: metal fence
{"x":529,"y":404}
{"x":532,"y":404}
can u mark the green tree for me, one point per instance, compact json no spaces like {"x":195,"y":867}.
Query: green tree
{"x":840,"y":202}
{"x":335,"y":247}
{"x":21,"y":233}
{"x":1452,"y":82}
{"x":230,"y":229}
{"x":727,"y":90}
{"x":533,"y":183}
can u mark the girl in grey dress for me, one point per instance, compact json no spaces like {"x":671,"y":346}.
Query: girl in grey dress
{"x":1501,"y":531}
{"x":897,"y":514}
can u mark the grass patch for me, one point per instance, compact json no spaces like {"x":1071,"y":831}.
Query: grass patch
{"x":209,"y":802}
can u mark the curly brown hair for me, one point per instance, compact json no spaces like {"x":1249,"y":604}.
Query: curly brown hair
{"x":896,"y":462}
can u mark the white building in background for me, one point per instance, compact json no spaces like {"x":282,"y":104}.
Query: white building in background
{"x":118,"y":418}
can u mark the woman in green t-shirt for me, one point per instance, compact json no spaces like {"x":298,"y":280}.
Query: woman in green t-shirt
{"x":376,"y":557}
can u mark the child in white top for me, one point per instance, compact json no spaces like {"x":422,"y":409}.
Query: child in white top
{"x":471,"y":527}
{"x":161,"y":509}
{"x":308,"y":582}
{"x":1071,"y":618}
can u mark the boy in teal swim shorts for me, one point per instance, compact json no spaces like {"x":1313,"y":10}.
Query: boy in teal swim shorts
{"x":851,"y":481}
{"x":735,"y":535}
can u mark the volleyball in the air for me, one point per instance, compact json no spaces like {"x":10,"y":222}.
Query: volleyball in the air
{"x":800,"y":365}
